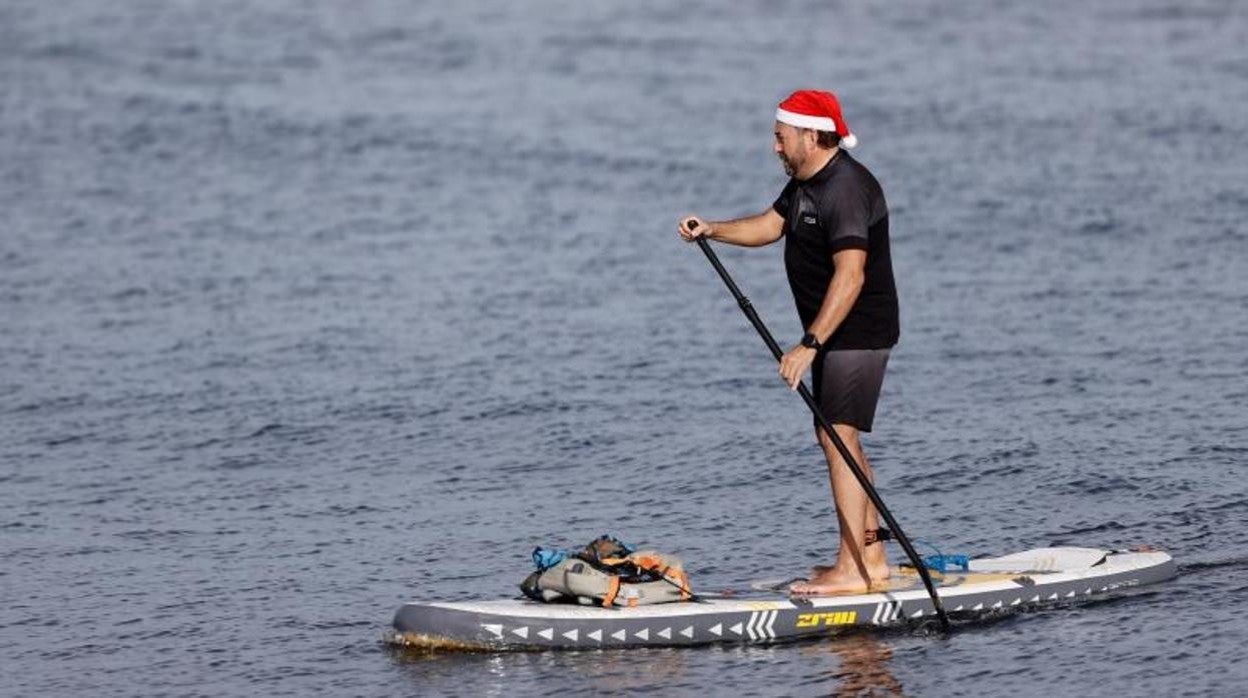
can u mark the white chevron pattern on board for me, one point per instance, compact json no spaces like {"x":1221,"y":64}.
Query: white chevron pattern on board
{"x":761,"y":625}
{"x":886,"y":612}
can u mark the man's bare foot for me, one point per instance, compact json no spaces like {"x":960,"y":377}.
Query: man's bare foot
{"x":877,"y":571}
{"x":831,"y":582}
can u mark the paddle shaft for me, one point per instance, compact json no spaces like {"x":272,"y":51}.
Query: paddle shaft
{"x":752,"y":316}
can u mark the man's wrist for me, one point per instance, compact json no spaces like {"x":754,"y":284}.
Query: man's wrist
{"x":810,"y":341}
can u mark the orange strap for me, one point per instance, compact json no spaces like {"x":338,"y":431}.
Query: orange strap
{"x":648,"y":562}
{"x":658,"y":565}
{"x":681,"y":577}
{"x":613,"y":589}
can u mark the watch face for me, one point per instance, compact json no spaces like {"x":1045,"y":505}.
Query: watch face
{"x":808,"y":340}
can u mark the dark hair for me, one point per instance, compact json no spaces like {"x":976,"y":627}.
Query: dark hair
{"x":827,"y":139}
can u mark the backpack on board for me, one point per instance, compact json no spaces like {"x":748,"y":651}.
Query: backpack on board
{"x":606,"y":573}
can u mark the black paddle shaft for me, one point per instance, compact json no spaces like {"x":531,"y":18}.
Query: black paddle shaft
{"x":752,"y":316}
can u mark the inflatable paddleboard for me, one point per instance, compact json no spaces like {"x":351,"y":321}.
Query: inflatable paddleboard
{"x":1035,"y":578}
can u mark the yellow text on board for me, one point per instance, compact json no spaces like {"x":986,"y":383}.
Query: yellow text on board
{"x":814,"y":620}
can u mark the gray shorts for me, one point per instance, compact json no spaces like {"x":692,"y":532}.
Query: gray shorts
{"x":847,"y":385}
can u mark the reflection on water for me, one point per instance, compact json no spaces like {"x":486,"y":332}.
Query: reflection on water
{"x":848,"y":665}
{"x":864,"y":669}
{"x":498,"y":673}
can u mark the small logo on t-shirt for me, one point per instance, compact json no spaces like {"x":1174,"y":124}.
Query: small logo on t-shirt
{"x":810,"y":220}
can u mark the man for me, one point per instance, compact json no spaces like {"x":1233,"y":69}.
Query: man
{"x":834,"y":220}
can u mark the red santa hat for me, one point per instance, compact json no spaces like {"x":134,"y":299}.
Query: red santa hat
{"x":818,"y":110}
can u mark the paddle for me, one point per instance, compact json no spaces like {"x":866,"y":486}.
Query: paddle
{"x":752,"y":315}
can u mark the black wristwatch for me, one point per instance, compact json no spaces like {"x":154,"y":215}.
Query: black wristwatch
{"x":811,"y":342}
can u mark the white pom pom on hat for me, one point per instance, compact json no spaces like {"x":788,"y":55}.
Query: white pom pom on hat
{"x":818,"y":110}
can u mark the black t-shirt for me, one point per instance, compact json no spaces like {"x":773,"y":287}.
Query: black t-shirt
{"x":841,"y":207}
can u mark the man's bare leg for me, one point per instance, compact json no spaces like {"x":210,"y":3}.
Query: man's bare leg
{"x":876,"y":556}
{"x":857,"y":564}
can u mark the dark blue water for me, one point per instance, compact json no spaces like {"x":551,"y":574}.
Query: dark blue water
{"x":307,"y":310}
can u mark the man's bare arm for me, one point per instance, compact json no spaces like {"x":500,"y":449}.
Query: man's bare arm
{"x":754,"y":231}
{"x":851,"y":272}
{"x":846,"y":284}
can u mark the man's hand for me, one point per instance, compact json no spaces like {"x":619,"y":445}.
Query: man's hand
{"x":794,"y":364}
{"x":702,"y":229}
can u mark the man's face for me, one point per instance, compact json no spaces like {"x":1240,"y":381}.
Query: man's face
{"x":791,"y":147}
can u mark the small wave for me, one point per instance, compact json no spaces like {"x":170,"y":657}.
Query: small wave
{"x":1099,"y":484}
{"x":154,"y":534}
{"x":1099,"y":528}
{"x":240,"y":462}
{"x":67,"y":439}
{"x":287,"y":432}
{"x":266,"y":429}
{"x":1213,"y":565}
{"x":74,"y":51}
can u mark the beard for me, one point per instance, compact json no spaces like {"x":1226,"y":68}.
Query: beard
{"x":789,"y":168}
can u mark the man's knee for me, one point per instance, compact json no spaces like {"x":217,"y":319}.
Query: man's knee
{"x":848,"y":434}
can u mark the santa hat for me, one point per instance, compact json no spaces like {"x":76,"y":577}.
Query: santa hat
{"x":818,"y":110}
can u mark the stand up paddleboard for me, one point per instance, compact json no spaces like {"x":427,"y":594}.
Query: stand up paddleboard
{"x":1031,"y":579}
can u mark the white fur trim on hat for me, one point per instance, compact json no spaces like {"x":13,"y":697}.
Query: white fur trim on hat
{"x":819,"y":123}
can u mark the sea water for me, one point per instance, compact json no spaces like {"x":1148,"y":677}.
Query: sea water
{"x":311,"y":309}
